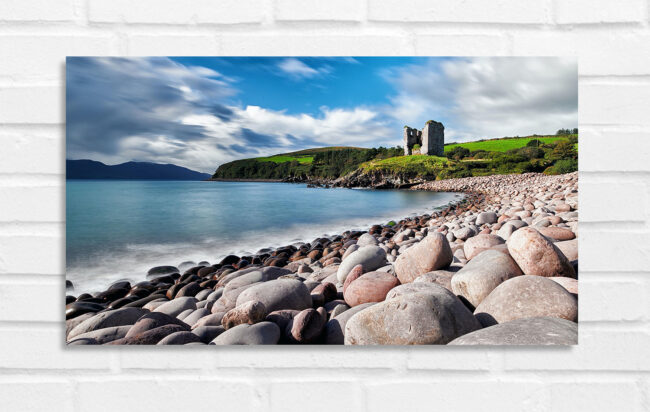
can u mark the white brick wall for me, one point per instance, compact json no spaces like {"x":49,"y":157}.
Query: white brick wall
{"x":610,"y":368}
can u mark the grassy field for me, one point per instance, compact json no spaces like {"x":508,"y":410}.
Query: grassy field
{"x":305,"y":157}
{"x":306,"y":160}
{"x":418,"y":164}
{"x":503,"y":145}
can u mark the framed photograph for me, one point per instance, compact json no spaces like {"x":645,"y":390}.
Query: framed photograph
{"x":321,"y":200}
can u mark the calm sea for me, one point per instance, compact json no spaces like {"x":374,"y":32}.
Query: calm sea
{"x":119,"y":229}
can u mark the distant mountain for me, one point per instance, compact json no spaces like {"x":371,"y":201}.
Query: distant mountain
{"x":91,"y":169}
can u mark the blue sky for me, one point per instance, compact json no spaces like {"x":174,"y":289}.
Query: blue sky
{"x":200,"y":112}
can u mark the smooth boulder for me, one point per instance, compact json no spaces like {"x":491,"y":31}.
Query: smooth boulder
{"x":527,"y":296}
{"x":431,"y":316}
{"x":482,"y":274}
{"x":370,"y":257}
{"x":117,"y":317}
{"x":278,"y":294}
{"x":477,"y":244}
{"x":370,"y":287}
{"x":177,"y":306}
{"x":537,"y":255}
{"x":263,"y":333}
{"x":249,"y":312}
{"x":335,"y":327}
{"x":431,"y":253}
{"x":527,"y":331}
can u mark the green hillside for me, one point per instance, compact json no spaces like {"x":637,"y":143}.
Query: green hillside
{"x":548,"y":154}
{"x":504,"y":144}
{"x":304,"y":156}
{"x":325,"y":162}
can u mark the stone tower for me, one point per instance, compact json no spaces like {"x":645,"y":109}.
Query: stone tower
{"x":431,"y":139}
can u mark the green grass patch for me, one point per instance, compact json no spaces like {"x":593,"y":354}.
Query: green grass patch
{"x":505,"y":144}
{"x":305,"y":160}
{"x":418,"y":164}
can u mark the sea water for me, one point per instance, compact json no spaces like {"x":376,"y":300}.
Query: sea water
{"x":118,"y":229}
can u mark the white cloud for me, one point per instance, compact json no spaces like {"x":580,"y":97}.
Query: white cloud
{"x":489,"y":97}
{"x":296,"y":69}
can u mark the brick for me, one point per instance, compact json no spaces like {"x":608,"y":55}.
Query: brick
{"x":614,"y":103}
{"x":160,"y":360}
{"x":587,"y":395}
{"x":42,"y":58}
{"x":599,"y":11}
{"x":177,"y":12}
{"x":599,"y":349}
{"x":618,"y":45}
{"x":598,"y":154}
{"x":161,"y":394}
{"x":454,"y":394}
{"x":606,"y":249}
{"x":452,"y":358}
{"x":20,"y":302}
{"x":37,"y":10}
{"x":44,"y":348}
{"x":616,"y":206}
{"x":35,"y":395}
{"x":305,"y":45}
{"x":32,"y":254}
{"x":472,"y":11}
{"x":172,"y":45}
{"x":461,"y":45}
{"x":348,"y":396}
{"x":32,"y":150}
{"x":282,"y":357}
{"x":612,"y":299}
{"x":335,"y":10}
{"x":45,"y":104}
{"x":32,"y":204}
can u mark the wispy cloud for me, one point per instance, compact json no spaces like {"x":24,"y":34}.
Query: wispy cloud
{"x":489,"y":97}
{"x":298,"y":70}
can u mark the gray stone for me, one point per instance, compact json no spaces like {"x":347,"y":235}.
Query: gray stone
{"x":527,"y":331}
{"x":486,"y":218}
{"x":207,"y":333}
{"x":176,"y":306}
{"x":116,"y":317}
{"x":431,"y":316}
{"x":179,"y":338}
{"x":263,"y":333}
{"x":370,"y":257}
{"x":335,"y":327}
{"x":366,"y":240}
{"x":194,"y":317}
{"x":440,"y":277}
{"x":482,"y":274}
{"x":104,"y":335}
{"x":527,"y":297}
{"x":260,"y":275}
{"x":464,"y":233}
{"x":278,"y":294}
{"x":154,"y":320}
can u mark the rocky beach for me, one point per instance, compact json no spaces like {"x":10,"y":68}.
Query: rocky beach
{"x":499,"y":267}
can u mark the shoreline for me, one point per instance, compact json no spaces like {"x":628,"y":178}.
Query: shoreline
{"x":319,"y":261}
{"x":216,"y":179}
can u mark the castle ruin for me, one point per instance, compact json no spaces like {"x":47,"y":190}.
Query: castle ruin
{"x":431,"y":139}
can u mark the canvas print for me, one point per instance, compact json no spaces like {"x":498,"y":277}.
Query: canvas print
{"x":321,"y":200}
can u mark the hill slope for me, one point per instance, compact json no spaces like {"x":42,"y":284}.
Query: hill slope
{"x":324,"y":162}
{"x":91,"y":169}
